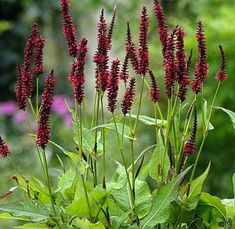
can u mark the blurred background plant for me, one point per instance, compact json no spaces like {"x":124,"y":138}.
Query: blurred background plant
{"x":16,"y":18}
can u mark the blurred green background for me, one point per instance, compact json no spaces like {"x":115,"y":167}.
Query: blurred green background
{"x":16,"y":17}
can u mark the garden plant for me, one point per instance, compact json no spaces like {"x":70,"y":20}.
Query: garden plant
{"x":84,"y":195}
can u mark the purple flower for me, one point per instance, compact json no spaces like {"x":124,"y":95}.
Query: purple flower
{"x":68,"y":121}
{"x":8,"y":108}
{"x":59,"y":105}
{"x":19,"y":117}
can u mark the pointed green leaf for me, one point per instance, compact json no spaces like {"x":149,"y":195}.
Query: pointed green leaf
{"x":195,"y":189}
{"x":156,"y":168}
{"x":111,"y":126}
{"x":33,"y":226}
{"x":143,"y":198}
{"x":162,"y":199}
{"x":150,"y":121}
{"x":211,"y":209}
{"x":231,"y":114}
{"x":34,"y":212}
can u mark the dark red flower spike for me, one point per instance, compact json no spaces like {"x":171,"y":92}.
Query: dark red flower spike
{"x":130,"y":48}
{"x":43,"y":129}
{"x":113,"y":85}
{"x":201,"y":68}
{"x":128,"y":97}
{"x":154,"y":91}
{"x":182,"y":74}
{"x":189,"y":146}
{"x":222,"y":74}
{"x":101,"y":56}
{"x":69,"y":29}
{"x":4,"y":149}
{"x":143,"y":51}
{"x":110,"y":33}
{"x":77,"y":75}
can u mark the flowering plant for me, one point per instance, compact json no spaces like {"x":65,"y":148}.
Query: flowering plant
{"x":85,"y":196}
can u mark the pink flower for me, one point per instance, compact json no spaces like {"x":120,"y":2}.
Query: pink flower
{"x":8,"y":108}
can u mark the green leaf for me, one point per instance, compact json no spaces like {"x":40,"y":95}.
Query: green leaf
{"x":72,"y":155}
{"x":150,"y":121}
{"x":231,"y":114}
{"x":33,"y":212}
{"x":211,"y":209}
{"x":88,"y":139}
{"x":229,"y":205}
{"x":162,"y":199}
{"x":33,"y":226}
{"x":66,"y":184}
{"x":234,"y":186}
{"x":156,"y":168}
{"x":195,"y":190}
{"x":143,"y":198}
{"x":111,"y":126}
{"x":122,"y":219}
{"x":86,"y":224}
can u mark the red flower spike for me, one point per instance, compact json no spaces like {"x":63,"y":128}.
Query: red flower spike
{"x":128,"y":97}
{"x":110,"y":33}
{"x":113,"y":86}
{"x":39,"y":45}
{"x":189,"y":146}
{"x":101,"y":56}
{"x":77,"y":75}
{"x":155,"y":91}
{"x":43,"y":130}
{"x":201,"y":69}
{"x":29,"y":47}
{"x":163,"y":29}
{"x":143,"y":51}
{"x":222,"y":74}
{"x":169,"y":66}
{"x":124,"y":75}
{"x":20,"y":90}
{"x":69,"y":29}
{"x":4,"y":149}
{"x":182,"y":76}
{"x":130,"y":48}
{"x":189,"y":62}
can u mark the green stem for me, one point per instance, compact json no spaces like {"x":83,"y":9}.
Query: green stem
{"x":204,"y":134}
{"x":96,"y":135}
{"x":32,"y":109}
{"x":37,"y":102}
{"x":48,"y":181}
{"x":120,"y":145}
{"x":140,"y":103}
{"x":104,"y":152}
{"x":86,"y":196}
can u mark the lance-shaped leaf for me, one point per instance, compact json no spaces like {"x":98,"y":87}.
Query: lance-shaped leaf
{"x":33,"y":212}
{"x":162,"y":199}
{"x":231,"y":114}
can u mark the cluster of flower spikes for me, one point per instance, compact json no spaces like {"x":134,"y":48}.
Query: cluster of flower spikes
{"x":43,"y":129}
{"x":33,"y":54}
{"x":140,"y":62}
{"x":4,"y":149}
